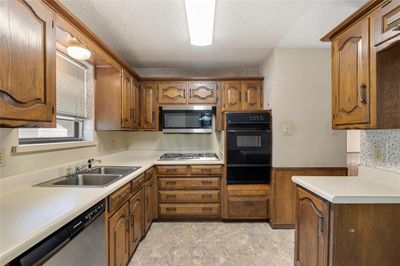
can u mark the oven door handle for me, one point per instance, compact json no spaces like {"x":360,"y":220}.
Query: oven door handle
{"x":248,"y":131}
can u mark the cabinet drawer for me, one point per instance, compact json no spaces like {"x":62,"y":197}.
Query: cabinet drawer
{"x":189,"y":183}
{"x":173,"y":170}
{"x":137,"y":184}
{"x":117,"y":198}
{"x":248,"y":207}
{"x":148,"y":174}
{"x":206,"y":169}
{"x":387,"y":22}
{"x":189,"y":196}
{"x":189,"y":209}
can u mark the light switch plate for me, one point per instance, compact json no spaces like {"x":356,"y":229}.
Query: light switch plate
{"x":287,"y":129}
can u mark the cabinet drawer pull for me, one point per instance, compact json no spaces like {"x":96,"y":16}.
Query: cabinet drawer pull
{"x":132,"y":219}
{"x":206,"y":196}
{"x":171,"y":196}
{"x":397,"y":28}
{"x":171,"y":170}
{"x":170,"y":209}
{"x":321,"y":224}
{"x":123,"y":195}
{"x":206,"y":182}
{"x":170,"y":182}
{"x":205,"y":170}
{"x":249,"y":204}
{"x":206,"y":209}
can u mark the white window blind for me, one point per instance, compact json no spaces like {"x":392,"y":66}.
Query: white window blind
{"x":71,"y":87}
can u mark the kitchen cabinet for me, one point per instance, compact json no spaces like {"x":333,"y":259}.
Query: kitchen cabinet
{"x":247,"y":202}
{"x":351,"y":82}
{"x":345,"y":234}
{"x":150,"y":201}
{"x":116,"y":100}
{"x":172,"y":92}
{"x":242,"y":95}
{"x":311,"y":229}
{"x":136,"y":221}
{"x":365,"y":63}
{"x":149,"y":106}
{"x":189,"y":191}
{"x":118,"y":244}
{"x":28,"y":60}
{"x":202,"y":93}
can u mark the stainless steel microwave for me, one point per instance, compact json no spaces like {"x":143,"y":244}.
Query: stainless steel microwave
{"x":187,"y":119}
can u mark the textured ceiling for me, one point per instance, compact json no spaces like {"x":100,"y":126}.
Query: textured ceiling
{"x":153,"y":33}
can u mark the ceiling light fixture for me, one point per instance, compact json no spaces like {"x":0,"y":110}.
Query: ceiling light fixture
{"x":77,"y":51}
{"x":200,"y":19}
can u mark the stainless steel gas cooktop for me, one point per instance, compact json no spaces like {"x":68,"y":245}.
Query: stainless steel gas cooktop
{"x":188,"y":156}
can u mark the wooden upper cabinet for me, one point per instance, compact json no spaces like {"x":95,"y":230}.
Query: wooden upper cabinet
{"x":202,"y":92}
{"x":252,"y":95}
{"x":126,"y":100}
{"x":172,"y":92}
{"x":149,"y":106}
{"x":119,"y":237}
{"x":232,"y":95}
{"x":27,"y":68}
{"x":135,"y":105}
{"x":351,"y":79}
{"x":312,"y":230}
{"x":387,"y":22}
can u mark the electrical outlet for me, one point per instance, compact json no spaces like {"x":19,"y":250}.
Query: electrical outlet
{"x":378,"y":154}
{"x":2,"y":158}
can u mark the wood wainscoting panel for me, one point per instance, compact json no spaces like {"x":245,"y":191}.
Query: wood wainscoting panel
{"x":283,"y":192}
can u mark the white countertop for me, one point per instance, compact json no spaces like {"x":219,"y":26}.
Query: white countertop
{"x":29,"y":214}
{"x":371,"y":186}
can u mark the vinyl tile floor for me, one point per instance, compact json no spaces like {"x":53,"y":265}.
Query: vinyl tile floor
{"x":214,"y":243}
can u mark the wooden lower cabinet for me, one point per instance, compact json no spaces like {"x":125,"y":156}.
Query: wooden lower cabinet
{"x":119,"y":237}
{"x":148,"y":205}
{"x":311,"y":229}
{"x":247,"y":202}
{"x":329,"y":234}
{"x":189,"y":209}
{"x":136,"y":221}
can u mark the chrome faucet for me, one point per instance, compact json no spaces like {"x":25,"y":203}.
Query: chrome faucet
{"x":84,"y":166}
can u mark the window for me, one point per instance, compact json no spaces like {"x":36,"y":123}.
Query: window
{"x":71,"y":105}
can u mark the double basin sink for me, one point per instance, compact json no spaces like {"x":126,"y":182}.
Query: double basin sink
{"x":96,"y":177}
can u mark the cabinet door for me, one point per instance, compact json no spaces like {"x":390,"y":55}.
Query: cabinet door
{"x":252,"y":95}
{"x":148,"y":205}
{"x":203,"y":92}
{"x":135,"y":105}
{"x":126,"y":101}
{"x":232,"y":98}
{"x":27,"y":68}
{"x":172,"y":92}
{"x":387,"y":22}
{"x":119,"y":237}
{"x":311,"y":236}
{"x":351,"y":76}
{"x":149,"y":106}
{"x":136,"y":221}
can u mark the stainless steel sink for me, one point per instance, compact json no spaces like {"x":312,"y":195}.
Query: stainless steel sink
{"x":97,"y":177}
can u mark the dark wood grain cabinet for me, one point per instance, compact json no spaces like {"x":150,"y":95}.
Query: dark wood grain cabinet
{"x":135,"y":221}
{"x":365,"y":63}
{"x":172,"y":92}
{"x":27,"y":68}
{"x":149,"y":202}
{"x":202,"y":93}
{"x":243,"y":95}
{"x":118,"y":243}
{"x":148,"y":106}
{"x":329,"y":234}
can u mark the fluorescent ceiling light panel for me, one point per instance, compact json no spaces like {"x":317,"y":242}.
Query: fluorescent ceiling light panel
{"x":200,"y":19}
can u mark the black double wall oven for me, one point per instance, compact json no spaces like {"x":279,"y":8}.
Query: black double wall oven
{"x":249,"y":147}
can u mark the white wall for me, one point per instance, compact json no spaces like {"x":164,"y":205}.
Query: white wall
{"x":301,"y":95}
{"x":108,"y":142}
{"x":353,"y":140}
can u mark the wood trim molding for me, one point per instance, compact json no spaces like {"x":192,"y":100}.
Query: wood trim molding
{"x":199,"y":78}
{"x":64,"y":12}
{"x":309,"y":168}
{"x":360,"y":13}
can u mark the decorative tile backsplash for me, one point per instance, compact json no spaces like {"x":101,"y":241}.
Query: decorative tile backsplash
{"x":389,"y":140}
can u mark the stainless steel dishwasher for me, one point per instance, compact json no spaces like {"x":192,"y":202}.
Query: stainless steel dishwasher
{"x":81,"y":242}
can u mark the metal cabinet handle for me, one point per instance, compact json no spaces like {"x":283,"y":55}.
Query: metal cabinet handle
{"x":363,"y":93}
{"x":206,"y":182}
{"x":206,"y":196}
{"x":321,"y":224}
{"x":206,"y":170}
{"x":206,"y":209}
{"x":123,"y":195}
{"x":171,"y":170}
{"x":132,"y":219}
{"x":171,"y":196}
{"x":171,"y":182}
{"x":171,"y":209}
